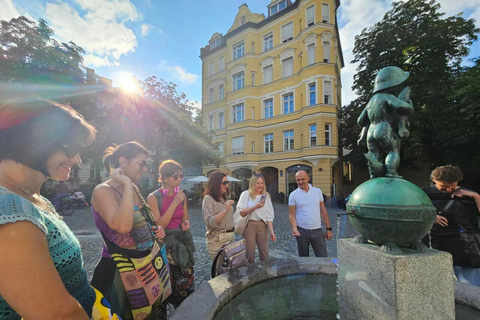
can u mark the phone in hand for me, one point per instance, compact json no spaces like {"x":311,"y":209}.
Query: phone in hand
{"x":263,"y":198}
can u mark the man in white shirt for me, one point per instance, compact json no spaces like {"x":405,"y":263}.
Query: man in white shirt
{"x":306,"y":209}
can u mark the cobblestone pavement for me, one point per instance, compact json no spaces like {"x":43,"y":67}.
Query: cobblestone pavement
{"x":82,"y":224}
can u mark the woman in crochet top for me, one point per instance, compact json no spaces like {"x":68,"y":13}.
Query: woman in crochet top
{"x":41,"y":265}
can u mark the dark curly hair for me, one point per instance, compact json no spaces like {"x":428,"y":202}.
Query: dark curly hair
{"x":448,"y":174}
{"x":128,"y":150}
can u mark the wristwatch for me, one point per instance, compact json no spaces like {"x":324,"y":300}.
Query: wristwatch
{"x":329,"y":229}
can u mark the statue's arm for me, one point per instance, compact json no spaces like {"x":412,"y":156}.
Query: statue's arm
{"x":363,"y":120}
{"x":400,"y":105}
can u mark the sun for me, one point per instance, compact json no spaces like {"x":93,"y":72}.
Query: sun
{"x":128,"y":83}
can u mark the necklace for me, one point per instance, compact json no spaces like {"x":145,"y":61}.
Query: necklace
{"x":37,"y":202}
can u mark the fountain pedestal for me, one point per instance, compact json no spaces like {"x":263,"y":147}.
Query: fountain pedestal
{"x":378,"y":285}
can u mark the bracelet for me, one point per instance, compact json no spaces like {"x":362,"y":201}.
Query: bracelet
{"x":329,"y":229}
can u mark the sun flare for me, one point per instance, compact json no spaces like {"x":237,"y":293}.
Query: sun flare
{"x":128,"y":83}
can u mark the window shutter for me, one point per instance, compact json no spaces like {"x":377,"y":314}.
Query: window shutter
{"x":287,"y":31}
{"x":237,"y":145}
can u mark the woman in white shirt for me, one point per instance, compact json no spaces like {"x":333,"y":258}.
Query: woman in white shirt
{"x":256,"y":203}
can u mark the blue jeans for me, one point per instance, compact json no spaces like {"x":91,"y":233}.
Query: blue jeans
{"x":314,"y":237}
{"x":468,"y":275}
{"x":58,"y":199}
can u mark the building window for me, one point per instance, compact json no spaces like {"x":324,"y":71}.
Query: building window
{"x":288,"y":140}
{"x":221,"y":92}
{"x":237,"y":145}
{"x":211,"y":94}
{"x":253,"y":147}
{"x":287,"y":32}
{"x":238,"y":113}
{"x":220,"y":149}
{"x":221,"y":64}
{"x":253,"y":79}
{"x":75,"y":170}
{"x":243,"y":20}
{"x":311,"y":53}
{"x":268,"y":108}
{"x":326,"y":51}
{"x":211,"y":68}
{"x":268,"y":139}
{"x":327,"y":92}
{"x":221,"y":121}
{"x":268,"y":42}
{"x":310,"y":16}
{"x":277,"y":7}
{"x":313,"y":135}
{"x":312,"y":93}
{"x":288,"y":103}
{"x":268,"y":74}
{"x":210,"y":123}
{"x":215,"y":42}
{"x":238,"y":81}
{"x":287,"y":67}
{"x":325,"y":13}
{"x":238,"y":50}
{"x":328,"y":134}
{"x":92,"y":171}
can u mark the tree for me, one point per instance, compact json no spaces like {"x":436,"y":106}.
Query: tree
{"x":33,"y":63}
{"x":160,"y":119}
{"x":416,"y":37}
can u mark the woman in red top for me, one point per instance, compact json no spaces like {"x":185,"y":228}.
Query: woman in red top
{"x":170,"y":210}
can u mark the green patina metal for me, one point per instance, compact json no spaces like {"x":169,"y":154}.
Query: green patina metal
{"x":388,"y":210}
{"x":391,"y":210}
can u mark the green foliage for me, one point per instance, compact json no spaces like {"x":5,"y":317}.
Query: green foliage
{"x":159,"y":119}
{"x":415,"y":36}
{"x":33,"y":63}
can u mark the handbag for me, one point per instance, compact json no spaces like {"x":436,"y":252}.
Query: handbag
{"x":145,"y":274}
{"x":232,"y":255}
{"x":239,"y":222}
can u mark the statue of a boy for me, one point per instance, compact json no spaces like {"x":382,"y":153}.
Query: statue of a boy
{"x":385,"y":122}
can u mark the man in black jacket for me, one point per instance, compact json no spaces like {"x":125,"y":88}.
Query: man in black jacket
{"x":456,"y":229}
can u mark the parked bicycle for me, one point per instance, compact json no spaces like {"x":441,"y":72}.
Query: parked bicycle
{"x":69,"y":205}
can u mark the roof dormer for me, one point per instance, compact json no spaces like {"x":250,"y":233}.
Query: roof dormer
{"x":277,"y":6}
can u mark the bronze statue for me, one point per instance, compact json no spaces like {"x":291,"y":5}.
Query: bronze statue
{"x":385,"y":122}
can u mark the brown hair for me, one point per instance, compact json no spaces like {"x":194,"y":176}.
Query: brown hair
{"x":448,"y":174}
{"x":32,"y":129}
{"x":214,"y":183}
{"x":128,"y":150}
{"x":168,"y":168}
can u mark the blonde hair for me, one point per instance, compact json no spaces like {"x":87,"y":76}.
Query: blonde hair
{"x":252,"y":185}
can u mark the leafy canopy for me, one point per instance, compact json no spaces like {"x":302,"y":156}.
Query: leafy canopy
{"x":415,"y":36}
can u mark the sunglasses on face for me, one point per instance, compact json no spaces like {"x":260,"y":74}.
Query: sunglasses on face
{"x":176,"y":176}
{"x":142,"y":163}
{"x":72,"y":150}
{"x":224,"y":183}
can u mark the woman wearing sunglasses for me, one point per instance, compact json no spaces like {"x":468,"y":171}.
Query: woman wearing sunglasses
{"x":217,"y":213}
{"x":119,"y":213}
{"x":41,"y":266}
{"x":256,"y":203}
{"x":170,"y":209}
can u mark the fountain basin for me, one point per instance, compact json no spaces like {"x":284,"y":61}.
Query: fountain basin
{"x":208,"y":300}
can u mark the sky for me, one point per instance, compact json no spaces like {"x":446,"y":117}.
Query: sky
{"x":163,"y":38}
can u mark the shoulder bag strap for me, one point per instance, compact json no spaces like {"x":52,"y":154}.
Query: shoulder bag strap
{"x":159,"y":195}
{"x":214,"y":264}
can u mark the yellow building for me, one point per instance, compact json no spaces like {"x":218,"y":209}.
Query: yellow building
{"x":272,"y":94}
